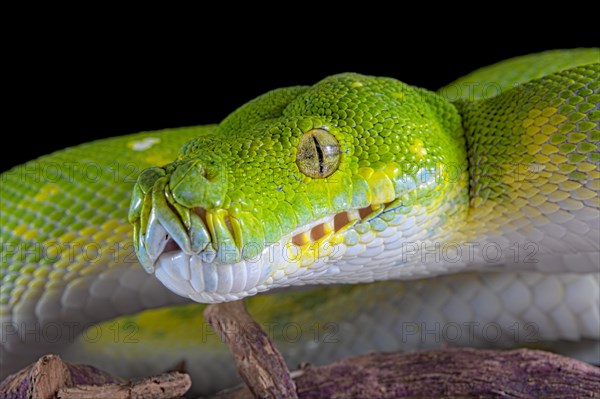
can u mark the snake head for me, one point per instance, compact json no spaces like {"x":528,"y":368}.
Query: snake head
{"x":294,"y":185}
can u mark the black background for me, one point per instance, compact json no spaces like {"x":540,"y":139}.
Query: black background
{"x":74,"y":88}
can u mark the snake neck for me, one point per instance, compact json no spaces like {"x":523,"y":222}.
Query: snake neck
{"x":532,"y":166}
{"x":496,"y":170}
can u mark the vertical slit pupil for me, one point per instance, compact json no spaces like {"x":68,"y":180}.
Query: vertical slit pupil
{"x":319,"y":155}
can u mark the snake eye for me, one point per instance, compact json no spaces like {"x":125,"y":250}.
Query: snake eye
{"x":318,"y":154}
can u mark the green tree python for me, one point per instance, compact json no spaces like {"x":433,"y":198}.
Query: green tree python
{"x":473,"y":214}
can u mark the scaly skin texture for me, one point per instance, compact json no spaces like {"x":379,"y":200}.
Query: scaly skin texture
{"x":504,"y":172}
{"x":545,"y":170}
{"x":402,"y":155}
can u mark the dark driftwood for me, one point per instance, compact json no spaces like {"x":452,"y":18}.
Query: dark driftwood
{"x":168,"y":385}
{"x":258,"y":362}
{"x":50,"y":377}
{"x":451,"y":373}
{"x":457,"y":372}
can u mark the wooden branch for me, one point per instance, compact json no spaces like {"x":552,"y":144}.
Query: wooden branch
{"x":50,"y":377}
{"x":457,"y":372}
{"x":259,"y":363}
{"x":163,"y":386}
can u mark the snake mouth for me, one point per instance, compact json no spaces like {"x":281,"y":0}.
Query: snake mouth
{"x":205,"y":277}
{"x":170,"y":244}
{"x":307,"y":236}
{"x":204,"y":254}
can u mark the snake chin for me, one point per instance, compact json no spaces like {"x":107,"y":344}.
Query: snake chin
{"x":208,"y":282}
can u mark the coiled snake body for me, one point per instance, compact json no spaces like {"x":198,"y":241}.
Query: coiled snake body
{"x":490,"y":186}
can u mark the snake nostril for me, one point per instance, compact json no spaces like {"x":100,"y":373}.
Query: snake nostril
{"x":198,"y":183}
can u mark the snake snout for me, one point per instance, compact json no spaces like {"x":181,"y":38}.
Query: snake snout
{"x":184,"y":236}
{"x":163,"y":220}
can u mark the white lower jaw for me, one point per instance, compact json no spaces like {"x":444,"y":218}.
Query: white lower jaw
{"x":189,"y":276}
